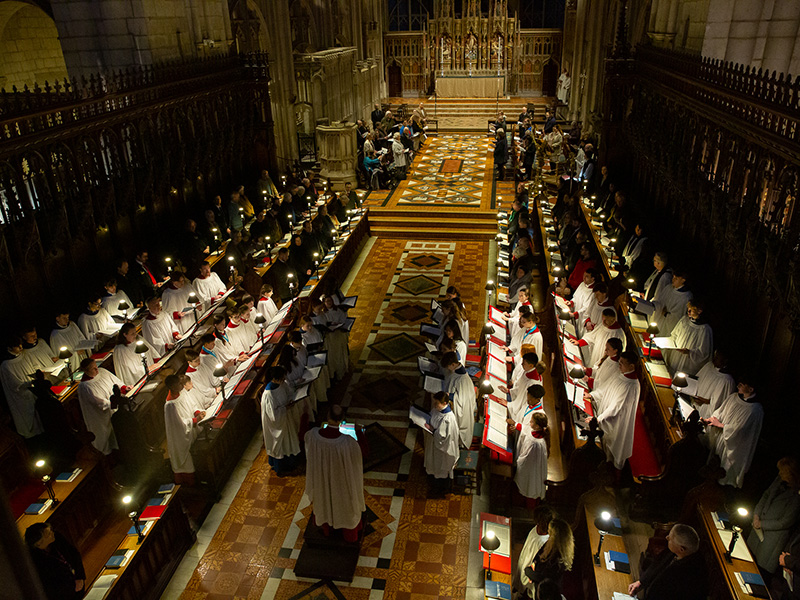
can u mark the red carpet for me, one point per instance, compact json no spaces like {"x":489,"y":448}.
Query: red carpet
{"x":643,"y":461}
{"x":26,"y":495}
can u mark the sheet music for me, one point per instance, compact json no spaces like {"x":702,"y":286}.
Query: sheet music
{"x":433,"y":384}
{"x":740,"y":551}
{"x":638,"y":321}
{"x":685,"y":408}
{"x":429,"y":330}
{"x":502,"y":533}
{"x":317,"y":360}
{"x":560,"y":302}
{"x":419,"y":417}
{"x":690,"y":389}
{"x":497,"y":410}
{"x":497,"y":438}
{"x":497,"y":369}
{"x":573,"y":351}
{"x":428,"y":366}
{"x":495,"y":350}
{"x":496,"y":316}
{"x":658,"y":370}
{"x":665,"y":343}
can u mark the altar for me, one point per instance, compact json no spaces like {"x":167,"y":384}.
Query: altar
{"x":470,"y":86}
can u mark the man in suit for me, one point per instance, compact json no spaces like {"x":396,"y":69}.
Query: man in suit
{"x":679,"y":572}
{"x":377,"y":116}
{"x":279,"y":275}
{"x":789,"y":561}
{"x":58,"y":563}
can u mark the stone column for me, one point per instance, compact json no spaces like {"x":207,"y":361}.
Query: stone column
{"x":336,"y":152}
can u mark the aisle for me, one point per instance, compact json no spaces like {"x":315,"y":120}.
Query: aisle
{"x":413,"y":547}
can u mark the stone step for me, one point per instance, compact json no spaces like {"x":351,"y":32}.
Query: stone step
{"x":431,"y":234}
{"x":379,"y":220}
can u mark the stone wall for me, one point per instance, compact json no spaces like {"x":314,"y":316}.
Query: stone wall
{"x":29,"y":46}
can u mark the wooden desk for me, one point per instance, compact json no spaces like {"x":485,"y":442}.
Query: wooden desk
{"x":150,"y":568}
{"x":722,"y":578}
{"x":599,"y":582}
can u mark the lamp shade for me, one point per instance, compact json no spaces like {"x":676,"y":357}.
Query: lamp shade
{"x":564,"y":314}
{"x":219,"y":371}
{"x":486,"y":387}
{"x":193,"y":299}
{"x":604,"y":522}
{"x":629,"y":283}
{"x":487,"y":329}
{"x":260,"y":319}
{"x":64,"y":352}
{"x":141,"y":347}
{"x":123,"y":305}
{"x":577,"y":372}
{"x":490,"y":542}
{"x":680,"y":381}
{"x":490,"y":285}
{"x":652,"y":329}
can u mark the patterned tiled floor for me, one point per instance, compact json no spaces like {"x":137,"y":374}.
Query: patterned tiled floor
{"x":414,"y":547}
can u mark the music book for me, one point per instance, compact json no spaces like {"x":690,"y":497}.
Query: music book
{"x":752,"y":584}
{"x":152,"y":513}
{"x":496,"y":317}
{"x":158,"y":501}
{"x":301,"y":393}
{"x":690,"y":389}
{"x":311,"y":373}
{"x":495,"y":410}
{"x":145,"y":527}
{"x":420,"y":418}
{"x":644,"y":307}
{"x":119,"y":559}
{"x":166,"y":488}
{"x":573,"y":352}
{"x":85,"y":345}
{"x":430,"y":330}
{"x":100,"y":587}
{"x":430,"y":347}
{"x":497,"y":590}
{"x":433,"y":383}
{"x":637,"y":321}
{"x":498,"y":438}
{"x":617,"y":561}
{"x":317,"y":360}
{"x":502,"y":533}
{"x":497,"y":369}
{"x":38,"y":508}
{"x":428,"y":367}
{"x":665,"y":343}
{"x":69,"y":476}
{"x":740,"y":551}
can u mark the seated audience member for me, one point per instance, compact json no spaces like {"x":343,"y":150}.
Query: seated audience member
{"x":538,"y":535}
{"x":619,"y":399}
{"x":714,"y":385}
{"x":461,"y":392}
{"x":208,"y":286}
{"x":94,"y":396}
{"x":785,"y":587}
{"x":281,"y":274}
{"x":659,"y":279}
{"x":679,"y":572}
{"x":585,"y":262}
{"x":693,"y":340}
{"x":555,"y":556}
{"x":775,"y":516}
{"x":281,"y":439}
{"x":128,"y":284}
{"x":127,"y":363}
{"x":441,"y":448}
{"x":735,"y":427}
{"x":522,"y":278}
{"x":158,"y":328}
{"x":335,"y":477}
{"x":636,"y":253}
{"x":670,"y":304}
{"x":181,"y":418}
{"x":113,"y":297}
{"x":57,"y":562}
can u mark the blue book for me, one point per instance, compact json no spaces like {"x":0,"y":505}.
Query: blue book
{"x":618,"y":557}
{"x":118,"y":559}
{"x":154,"y":502}
{"x":498,"y":589}
{"x":166,"y":488}
{"x":752,"y":578}
{"x":37,"y":508}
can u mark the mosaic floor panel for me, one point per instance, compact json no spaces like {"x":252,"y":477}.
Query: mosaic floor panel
{"x":414,"y":547}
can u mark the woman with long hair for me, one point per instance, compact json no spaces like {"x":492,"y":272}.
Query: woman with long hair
{"x":555,"y":557}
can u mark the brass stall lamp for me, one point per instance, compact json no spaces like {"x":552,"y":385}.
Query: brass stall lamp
{"x":48,"y":484}
{"x":652,"y":329}
{"x":333,"y":235}
{"x":575,"y":373}
{"x":64,"y":354}
{"x":290,"y":281}
{"x":141,"y":348}
{"x":219,"y":373}
{"x":168,"y":261}
{"x":194,"y":301}
{"x":260,"y":320}
{"x":123,"y":306}
{"x":133,"y":514}
{"x":490,"y":543}
{"x":603,"y":524}
{"x":742,"y":512}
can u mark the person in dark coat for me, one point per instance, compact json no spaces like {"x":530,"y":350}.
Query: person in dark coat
{"x":501,"y":154}
{"x":555,"y":557}
{"x":57,"y":561}
{"x":789,"y":561}
{"x":679,"y":572}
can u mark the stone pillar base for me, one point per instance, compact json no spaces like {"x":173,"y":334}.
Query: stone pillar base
{"x":337,"y":152}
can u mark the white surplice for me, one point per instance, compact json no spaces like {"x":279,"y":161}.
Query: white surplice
{"x":208,"y":289}
{"x":69,"y":336}
{"x":334,"y":479}
{"x":651,"y":288}
{"x":533,"y":543}
{"x":280,"y":438}
{"x":204,"y":382}
{"x":582,"y":299}
{"x":459,"y":387}
{"x":91,"y":324}
{"x":41,"y":355}
{"x":94,"y":397}
{"x":674,"y":303}
{"x":715,"y":386}
{"x":174,"y":301}
{"x":158,"y":332}
{"x":441,"y":446}
{"x":111,"y":303}
{"x":268,"y":308}
{"x":15,"y":376}
{"x":736,"y":442}
{"x":619,"y":399}
{"x":128,"y":365}
{"x":531,"y":460}
{"x":181,"y":432}
{"x":695,"y":337}
{"x":519,"y":392}
{"x":597,"y":338}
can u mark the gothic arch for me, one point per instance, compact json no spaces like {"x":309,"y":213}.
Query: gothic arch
{"x":248,"y":27}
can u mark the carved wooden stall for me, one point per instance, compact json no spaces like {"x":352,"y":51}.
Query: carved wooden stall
{"x":714,"y":155}
{"x":92,"y":168}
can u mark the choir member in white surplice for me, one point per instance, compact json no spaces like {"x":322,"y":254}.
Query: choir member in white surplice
{"x":528,"y":335}
{"x":670,"y":304}
{"x":15,"y":374}
{"x":458,"y":386}
{"x":734,"y":429}
{"x":512,"y":318}
{"x":175,"y":298}
{"x":335,"y":477}
{"x":295,"y":370}
{"x":224,"y":347}
{"x":113,"y":297}
{"x":202,"y":375}
{"x":335,"y":340}
{"x":247,"y":316}
{"x":530,"y":457}
{"x":620,"y":400}
{"x":312,"y":337}
{"x":659,"y":278}
{"x":321,"y":384}
{"x":595,"y":340}
{"x":266,"y":305}
{"x":584,"y":295}
{"x":714,"y":385}
{"x":452,"y":332}
{"x":606,"y":369}
{"x":593,"y":314}
{"x":127,"y":363}
{"x":534,"y":402}
{"x":158,"y":328}
{"x":441,"y":446}
{"x":693,"y":340}
{"x":237,"y":332}
{"x":281,"y":440}
{"x":67,"y":334}
{"x":529,"y":375}
{"x":94,"y":393}
{"x":95,"y":319}
{"x":181,"y":417}
{"x":208,"y":286}
{"x":37,"y":351}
